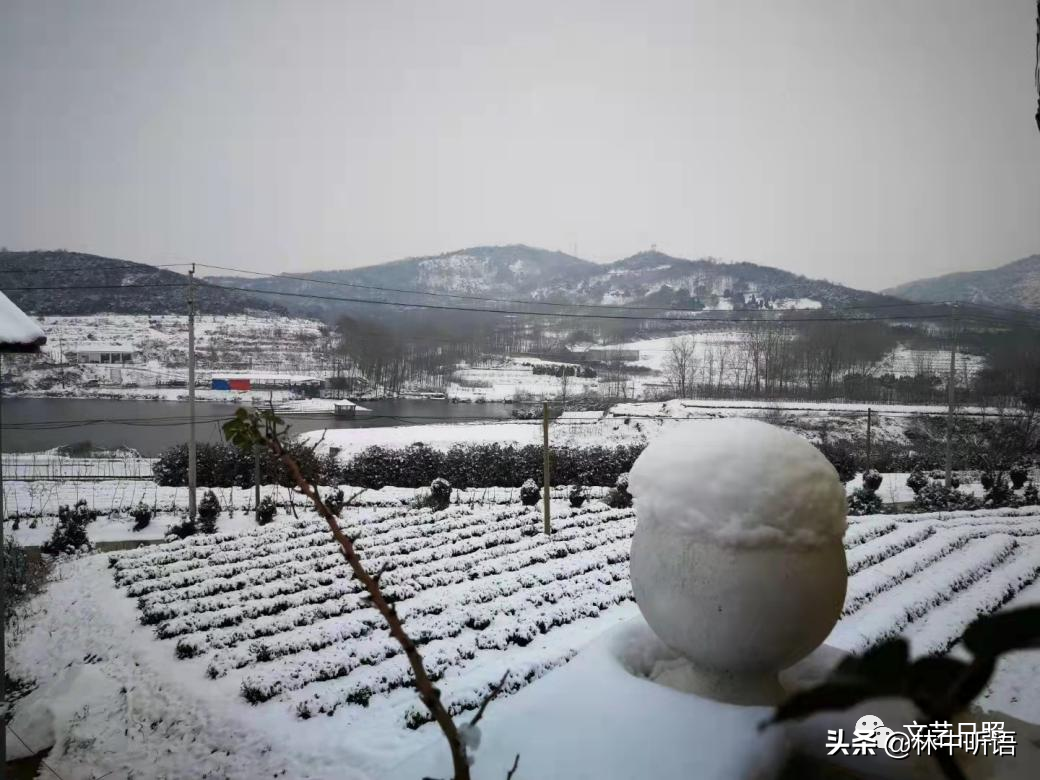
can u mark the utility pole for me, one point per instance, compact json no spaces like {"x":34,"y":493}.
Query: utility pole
{"x":3,"y":589}
{"x":256,"y":481}
{"x":950,"y":391}
{"x":545,"y":467}
{"x":869,"y":415}
{"x":191,"y":394}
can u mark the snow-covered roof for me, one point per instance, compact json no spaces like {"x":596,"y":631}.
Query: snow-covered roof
{"x":18,"y":331}
{"x":101,"y":346}
{"x":581,"y":415}
{"x":266,"y":377}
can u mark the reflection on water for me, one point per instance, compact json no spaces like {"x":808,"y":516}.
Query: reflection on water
{"x":151,"y":426}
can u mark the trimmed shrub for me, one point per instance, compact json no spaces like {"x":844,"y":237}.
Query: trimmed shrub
{"x":871,"y":480}
{"x":79,"y":512}
{"x":142,"y":514}
{"x":1019,"y":473}
{"x":485,"y":465}
{"x":936,"y":497}
{"x":224,"y":465}
{"x":440,"y":493}
{"x":841,"y":455}
{"x":577,"y":496}
{"x":1030,"y":495}
{"x":334,"y":500}
{"x":208,"y":510}
{"x":70,"y":535}
{"x":864,"y":501}
{"x":529,"y":493}
{"x":182,"y":530}
{"x":998,"y":492}
{"x":268,"y":509}
{"x":16,"y":569}
{"x":916,"y":481}
{"x":619,"y":497}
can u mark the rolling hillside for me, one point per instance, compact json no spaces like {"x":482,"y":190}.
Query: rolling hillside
{"x":526,"y":273}
{"x":76,"y":284}
{"x":1015,"y":284}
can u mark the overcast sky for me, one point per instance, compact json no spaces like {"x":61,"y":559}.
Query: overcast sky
{"x":865,"y":142}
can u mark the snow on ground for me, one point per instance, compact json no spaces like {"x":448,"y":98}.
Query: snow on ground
{"x":905,"y":361}
{"x":35,"y":505}
{"x":272,"y":615}
{"x":443,"y":436}
{"x":511,"y":379}
{"x":223,"y":343}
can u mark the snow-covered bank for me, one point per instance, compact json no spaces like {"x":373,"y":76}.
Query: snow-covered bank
{"x":270,"y":612}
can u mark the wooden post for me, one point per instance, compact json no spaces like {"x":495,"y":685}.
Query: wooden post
{"x":545,"y":467}
{"x":256,"y":482}
{"x":868,"y":439}
{"x":191,"y":395}
{"x":950,"y":391}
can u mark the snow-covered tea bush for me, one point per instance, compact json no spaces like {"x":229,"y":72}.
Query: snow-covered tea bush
{"x":209,"y":509}
{"x":268,"y":509}
{"x":577,"y":496}
{"x":142,"y":514}
{"x":529,"y":493}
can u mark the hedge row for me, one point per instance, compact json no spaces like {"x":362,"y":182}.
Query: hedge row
{"x":486,"y":465}
{"x":464,"y":465}
{"x":224,"y":465}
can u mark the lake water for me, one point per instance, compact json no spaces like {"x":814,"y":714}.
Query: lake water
{"x":34,"y":424}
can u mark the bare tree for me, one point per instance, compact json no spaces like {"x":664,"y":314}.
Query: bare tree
{"x":680,"y":365}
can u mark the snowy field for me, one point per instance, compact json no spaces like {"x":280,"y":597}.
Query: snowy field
{"x":250,"y":655}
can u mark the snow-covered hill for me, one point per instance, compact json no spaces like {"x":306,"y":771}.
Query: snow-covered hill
{"x":519,"y":272}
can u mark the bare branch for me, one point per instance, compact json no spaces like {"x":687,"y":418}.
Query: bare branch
{"x":495,"y":690}
{"x":428,"y":692}
{"x":516,"y":763}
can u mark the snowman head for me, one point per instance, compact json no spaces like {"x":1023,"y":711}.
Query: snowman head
{"x":867,"y":725}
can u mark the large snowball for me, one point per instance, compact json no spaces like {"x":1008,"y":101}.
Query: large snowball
{"x":739,"y":483}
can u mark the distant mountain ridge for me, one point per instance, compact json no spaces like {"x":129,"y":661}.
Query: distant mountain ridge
{"x":75,"y":283}
{"x":500,"y":273}
{"x":520,"y":272}
{"x":1015,"y":284}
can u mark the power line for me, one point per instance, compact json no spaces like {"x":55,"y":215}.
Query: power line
{"x":440,"y":307}
{"x":778,"y":317}
{"x":522,"y":301}
{"x":125,"y":265}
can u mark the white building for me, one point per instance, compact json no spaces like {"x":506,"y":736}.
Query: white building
{"x":97,"y":352}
